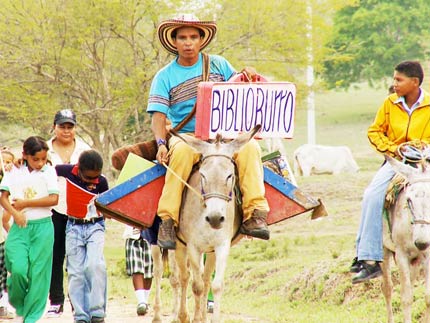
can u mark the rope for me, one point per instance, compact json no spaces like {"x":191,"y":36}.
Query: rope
{"x":184,"y":182}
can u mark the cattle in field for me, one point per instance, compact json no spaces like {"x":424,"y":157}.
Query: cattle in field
{"x":318,"y":159}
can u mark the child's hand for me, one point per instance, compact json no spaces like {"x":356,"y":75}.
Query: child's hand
{"x":19,"y":204}
{"x":8,"y":167}
{"x":5,"y":220}
{"x":20,"y":219}
{"x":18,"y":162}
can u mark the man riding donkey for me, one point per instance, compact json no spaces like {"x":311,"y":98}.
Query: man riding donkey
{"x":404,"y":116}
{"x":172,"y":97}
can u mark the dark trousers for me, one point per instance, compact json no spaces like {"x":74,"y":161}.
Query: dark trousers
{"x":56,"y":291}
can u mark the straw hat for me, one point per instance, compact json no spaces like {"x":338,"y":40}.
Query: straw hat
{"x":167,"y":27}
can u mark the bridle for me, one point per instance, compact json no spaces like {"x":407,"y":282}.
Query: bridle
{"x":204,"y":196}
{"x":226,"y":197}
{"x":410,"y":207}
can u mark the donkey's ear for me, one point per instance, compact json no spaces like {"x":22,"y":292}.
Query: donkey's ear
{"x":194,"y":142}
{"x":243,"y":138}
{"x":254,"y":130}
{"x":248,"y":135}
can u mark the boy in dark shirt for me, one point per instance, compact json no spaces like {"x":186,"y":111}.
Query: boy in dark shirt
{"x":85,"y":230}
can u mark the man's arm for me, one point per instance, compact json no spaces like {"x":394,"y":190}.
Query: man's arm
{"x":158,"y":127}
{"x":377,"y":132}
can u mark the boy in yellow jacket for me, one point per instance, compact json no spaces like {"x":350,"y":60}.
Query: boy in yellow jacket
{"x":404,"y":116}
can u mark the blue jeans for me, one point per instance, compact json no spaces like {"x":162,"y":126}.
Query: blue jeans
{"x":369,"y":237}
{"x":86,"y":269}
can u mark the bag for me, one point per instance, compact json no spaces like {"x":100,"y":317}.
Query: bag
{"x":148,"y":149}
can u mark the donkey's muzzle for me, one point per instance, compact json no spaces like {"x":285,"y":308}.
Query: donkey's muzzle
{"x":422,"y":245}
{"x":215,"y":220}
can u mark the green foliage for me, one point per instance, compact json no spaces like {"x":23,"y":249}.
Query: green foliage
{"x":273,"y":36}
{"x":99,"y":57}
{"x":371,"y":37}
{"x":96,"y":57}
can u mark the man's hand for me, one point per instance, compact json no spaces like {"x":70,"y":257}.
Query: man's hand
{"x":250,"y":73}
{"x":162,"y":155}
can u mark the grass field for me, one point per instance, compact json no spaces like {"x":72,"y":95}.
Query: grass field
{"x":301,"y":274}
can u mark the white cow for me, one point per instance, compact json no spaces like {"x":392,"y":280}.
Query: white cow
{"x":317,"y":159}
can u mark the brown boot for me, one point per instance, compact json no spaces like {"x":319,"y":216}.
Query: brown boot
{"x":167,"y":235}
{"x":256,"y":226}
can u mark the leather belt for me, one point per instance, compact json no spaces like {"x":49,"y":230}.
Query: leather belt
{"x":85,"y":221}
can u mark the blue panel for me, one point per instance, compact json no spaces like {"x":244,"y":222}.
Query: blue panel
{"x":280,"y":183}
{"x":131,"y":185}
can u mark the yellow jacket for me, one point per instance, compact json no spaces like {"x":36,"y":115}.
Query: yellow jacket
{"x":393,"y":126}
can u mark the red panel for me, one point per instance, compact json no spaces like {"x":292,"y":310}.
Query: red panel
{"x":203,"y":111}
{"x":281,"y":207}
{"x":140,"y":205}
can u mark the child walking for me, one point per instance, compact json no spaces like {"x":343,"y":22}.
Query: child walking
{"x":85,"y":230}
{"x":139,"y":262}
{"x":7,"y":159}
{"x":28,"y":192}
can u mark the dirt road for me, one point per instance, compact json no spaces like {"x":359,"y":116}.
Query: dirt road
{"x":117,"y":312}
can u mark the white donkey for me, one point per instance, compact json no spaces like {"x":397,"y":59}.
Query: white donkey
{"x":208,"y":224}
{"x":410,"y":233}
{"x":168,"y":265}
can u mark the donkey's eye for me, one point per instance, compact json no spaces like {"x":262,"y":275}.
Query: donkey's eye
{"x":203,"y":179}
{"x":230,"y":178}
{"x":409,"y":201}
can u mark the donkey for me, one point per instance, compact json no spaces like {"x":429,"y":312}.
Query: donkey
{"x":167,"y":264}
{"x":410,"y":233}
{"x":209,"y":221}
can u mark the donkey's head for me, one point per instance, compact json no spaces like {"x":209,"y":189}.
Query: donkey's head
{"x":218,"y":174}
{"x":416,"y":201}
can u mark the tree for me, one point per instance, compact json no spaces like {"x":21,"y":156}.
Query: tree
{"x":96,"y":57}
{"x":99,"y":57}
{"x":372,"y":36}
{"x":272,"y":36}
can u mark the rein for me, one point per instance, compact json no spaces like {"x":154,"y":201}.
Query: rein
{"x":184,"y":182}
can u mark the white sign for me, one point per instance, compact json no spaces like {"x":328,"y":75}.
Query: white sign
{"x":232,"y":108}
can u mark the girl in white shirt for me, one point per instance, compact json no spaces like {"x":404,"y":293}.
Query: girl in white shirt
{"x":28,"y":192}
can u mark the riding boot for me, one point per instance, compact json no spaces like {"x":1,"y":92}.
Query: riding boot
{"x":167,"y":235}
{"x":256,"y":226}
